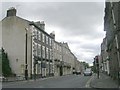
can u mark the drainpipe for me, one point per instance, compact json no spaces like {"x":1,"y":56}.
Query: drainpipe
{"x":26,"y":65}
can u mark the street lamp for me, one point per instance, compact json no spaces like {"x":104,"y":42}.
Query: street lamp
{"x":97,"y":65}
{"x":26,"y":70}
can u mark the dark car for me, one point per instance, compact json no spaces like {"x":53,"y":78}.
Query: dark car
{"x":78,"y":73}
{"x":74,"y":72}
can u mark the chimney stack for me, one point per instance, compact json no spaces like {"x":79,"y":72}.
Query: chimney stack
{"x":53,"y":34}
{"x":37,"y":23}
{"x":11,"y":12}
{"x":41,"y":24}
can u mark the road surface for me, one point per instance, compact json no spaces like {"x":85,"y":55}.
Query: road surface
{"x":69,"y":81}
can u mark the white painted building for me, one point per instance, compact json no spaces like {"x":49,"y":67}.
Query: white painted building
{"x":39,"y":45}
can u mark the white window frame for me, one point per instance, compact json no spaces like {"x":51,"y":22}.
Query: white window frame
{"x":39,"y":35}
{"x":47,"y":54}
{"x":47,"y":39}
{"x":35,"y":33}
{"x":35,"y":48}
{"x":50,"y":41}
{"x":39,"y":50}
{"x":43,"y":37}
{"x":43,"y":51}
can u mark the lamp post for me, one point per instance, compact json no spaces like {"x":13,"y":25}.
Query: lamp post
{"x":97,"y":65}
{"x":26,"y":70}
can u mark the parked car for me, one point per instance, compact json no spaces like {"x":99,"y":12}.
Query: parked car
{"x":78,"y":73}
{"x":2,"y":78}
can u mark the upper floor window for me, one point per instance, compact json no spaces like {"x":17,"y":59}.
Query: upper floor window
{"x":35,"y":48}
{"x":60,"y":48}
{"x":43,"y":37}
{"x":57,"y":46}
{"x":54,"y":45}
{"x":39,"y":35}
{"x":47,"y":39}
{"x":47,"y":54}
{"x":35,"y":33}
{"x":43,"y":51}
{"x":50,"y":54}
{"x":39,"y":50}
{"x":50,"y":41}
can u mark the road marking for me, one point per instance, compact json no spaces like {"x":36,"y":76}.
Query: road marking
{"x":88,"y":82}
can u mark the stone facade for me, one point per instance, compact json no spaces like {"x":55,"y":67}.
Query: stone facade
{"x":39,"y":46}
{"x":112,"y":28}
{"x":104,"y":57}
{"x":68,"y":59}
{"x":42,"y":51}
{"x":64,"y":59}
{"x":57,"y":59}
{"x":78,"y":66}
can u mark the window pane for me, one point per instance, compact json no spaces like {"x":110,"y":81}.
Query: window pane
{"x":39,"y":35}
{"x":43,"y":51}
{"x":43,"y":36}
{"x":39,"y":50}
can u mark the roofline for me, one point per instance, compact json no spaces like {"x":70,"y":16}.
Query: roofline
{"x":32,"y":23}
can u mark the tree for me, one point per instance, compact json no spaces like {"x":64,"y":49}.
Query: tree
{"x":86,"y":65}
{"x":6,"y":70}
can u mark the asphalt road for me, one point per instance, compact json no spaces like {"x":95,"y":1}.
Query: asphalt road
{"x":0,"y":85}
{"x":69,"y":81}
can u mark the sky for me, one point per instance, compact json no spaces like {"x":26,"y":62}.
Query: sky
{"x":80,"y":24}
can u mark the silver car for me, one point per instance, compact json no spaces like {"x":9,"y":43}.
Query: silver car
{"x":2,"y":78}
{"x":87,"y":73}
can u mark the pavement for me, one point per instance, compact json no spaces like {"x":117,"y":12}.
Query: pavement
{"x":104,"y":81}
{"x":15,"y":79}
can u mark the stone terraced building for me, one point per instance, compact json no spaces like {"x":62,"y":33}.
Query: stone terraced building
{"x":32,"y":52}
